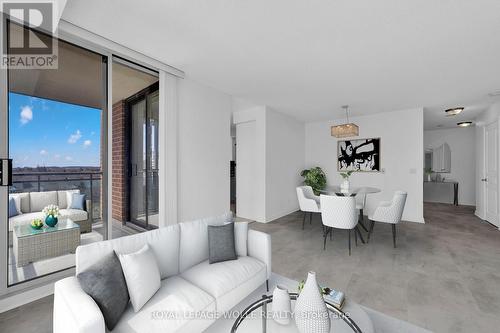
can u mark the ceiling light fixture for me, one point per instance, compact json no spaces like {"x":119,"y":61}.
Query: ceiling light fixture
{"x":453,"y":111}
{"x":345,"y":130}
{"x":464,"y":123}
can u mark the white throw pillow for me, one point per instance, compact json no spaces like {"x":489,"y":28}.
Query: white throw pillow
{"x":17,"y":201}
{"x":69,"y":198}
{"x":241,"y":238}
{"x":142,"y":275}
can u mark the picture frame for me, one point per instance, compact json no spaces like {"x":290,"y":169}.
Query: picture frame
{"x":359,"y":155}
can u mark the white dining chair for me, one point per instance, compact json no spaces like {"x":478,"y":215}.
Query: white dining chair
{"x":339,"y":213}
{"x":308,"y":202}
{"x":389,"y":212}
{"x":360,"y":205}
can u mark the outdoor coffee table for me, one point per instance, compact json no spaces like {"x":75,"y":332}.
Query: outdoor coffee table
{"x":31,"y":245}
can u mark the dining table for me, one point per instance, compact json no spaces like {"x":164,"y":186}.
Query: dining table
{"x":351,"y":192}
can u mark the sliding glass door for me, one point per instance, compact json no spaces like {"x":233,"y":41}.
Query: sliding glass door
{"x":56,"y":121}
{"x":143,"y":157}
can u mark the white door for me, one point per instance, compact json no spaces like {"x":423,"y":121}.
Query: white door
{"x":491,"y":173}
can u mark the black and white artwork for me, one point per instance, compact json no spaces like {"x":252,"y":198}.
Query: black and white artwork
{"x":359,"y":155}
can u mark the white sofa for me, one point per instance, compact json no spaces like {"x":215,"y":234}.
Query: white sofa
{"x":189,"y":283}
{"x":31,"y":205}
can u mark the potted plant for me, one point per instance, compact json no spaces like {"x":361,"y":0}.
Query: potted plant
{"x":344,"y":187}
{"x":314,"y":177}
{"x":428,"y":172}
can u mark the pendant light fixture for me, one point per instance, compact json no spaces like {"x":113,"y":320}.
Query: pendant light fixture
{"x":345,"y":130}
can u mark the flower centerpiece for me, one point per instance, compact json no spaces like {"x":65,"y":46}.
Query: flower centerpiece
{"x":51,"y":213}
{"x":37,"y":224}
{"x":344,"y":187}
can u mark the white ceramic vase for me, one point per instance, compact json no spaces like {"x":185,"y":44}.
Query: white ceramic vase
{"x":311,"y":313}
{"x":282,"y":308}
{"x":344,"y":187}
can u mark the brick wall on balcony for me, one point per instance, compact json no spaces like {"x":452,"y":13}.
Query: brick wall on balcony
{"x":119,"y":158}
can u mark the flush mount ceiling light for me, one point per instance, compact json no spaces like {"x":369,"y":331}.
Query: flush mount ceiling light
{"x":345,"y":130}
{"x":453,"y":111}
{"x":464,"y":123}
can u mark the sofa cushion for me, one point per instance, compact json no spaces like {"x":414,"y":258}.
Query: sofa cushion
{"x":78,"y":201}
{"x":176,"y":296}
{"x":194,"y":240}
{"x":105,"y":283}
{"x":241,"y":238}
{"x":221,"y":243}
{"x":62,"y":198}
{"x":13,"y":211}
{"x":142,"y":276}
{"x":40,"y":200}
{"x":224,"y":277}
{"x":22,"y":202}
{"x":76,"y":215}
{"x":164,"y":242}
{"x":24,"y":219}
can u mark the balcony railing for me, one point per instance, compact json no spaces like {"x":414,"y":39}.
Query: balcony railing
{"x":88,"y":183}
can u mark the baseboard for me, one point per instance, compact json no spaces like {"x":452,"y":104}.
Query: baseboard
{"x":16,"y":300}
{"x":280,"y":215}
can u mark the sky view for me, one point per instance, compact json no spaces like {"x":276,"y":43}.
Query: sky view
{"x":43,"y":132}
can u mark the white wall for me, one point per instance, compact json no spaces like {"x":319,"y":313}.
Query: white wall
{"x":204,"y":151}
{"x":285,"y":146}
{"x":462,"y":142}
{"x":269,"y":158}
{"x":401,"y":134}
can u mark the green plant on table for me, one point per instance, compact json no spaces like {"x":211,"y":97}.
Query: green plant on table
{"x":314,"y":177}
{"x":346,"y":175}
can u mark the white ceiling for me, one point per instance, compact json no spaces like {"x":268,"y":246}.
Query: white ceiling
{"x":307,"y":58}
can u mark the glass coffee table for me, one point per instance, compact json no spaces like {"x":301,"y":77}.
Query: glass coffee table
{"x":31,"y":244}
{"x":257,"y":317}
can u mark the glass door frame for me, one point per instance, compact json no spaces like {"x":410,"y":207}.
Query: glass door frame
{"x":5,"y":287}
{"x":141,"y":95}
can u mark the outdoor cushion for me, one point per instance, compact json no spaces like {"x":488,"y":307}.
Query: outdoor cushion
{"x":12,"y":208}
{"x":22,"y":202}
{"x":75,"y":215}
{"x":78,"y":201}
{"x":24,"y":219}
{"x":62,"y":198}
{"x":40,"y":200}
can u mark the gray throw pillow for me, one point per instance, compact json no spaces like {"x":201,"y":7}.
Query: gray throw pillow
{"x":221,"y":243}
{"x":78,"y":201}
{"x":105,"y":283}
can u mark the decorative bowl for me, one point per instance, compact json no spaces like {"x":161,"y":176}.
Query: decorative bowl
{"x":36,"y":224}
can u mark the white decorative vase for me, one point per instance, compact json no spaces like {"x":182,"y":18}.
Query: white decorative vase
{"x":344,"y":187}
{"x":311,"y":313}
{"x":282,"y":308}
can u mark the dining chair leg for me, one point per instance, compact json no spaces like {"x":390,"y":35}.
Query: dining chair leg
{"x":304,"y":220}
{"x":355,"y":238}
{"x":349,"y":241}
{"x":370,"y":232}
{"x":325,"y":235}
{"x":356,"y":230}
{"x":331,"y":233}
{"x":310,"y":218}
{"x":394,"y":235}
